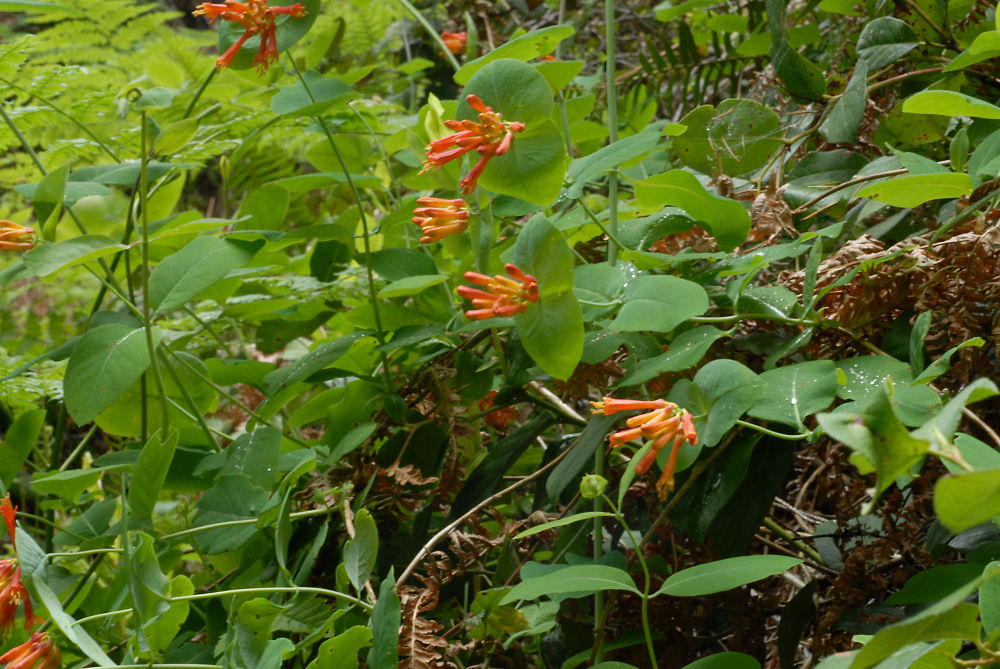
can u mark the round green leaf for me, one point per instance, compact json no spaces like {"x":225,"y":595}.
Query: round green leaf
{"x":792,"y":392}
{"x":200,"y":264}
{"x":552,"y":333}
{"x":659,"y":304}
{"x":289,"y":30}
{"x":739,"y":137}
{"x":884,"y":40}
{"x":704,"y":579}
{"x":513,"y":89}
{"x":541,"y":251}
{"x":949,"y":103}
{"x":104,"y":364}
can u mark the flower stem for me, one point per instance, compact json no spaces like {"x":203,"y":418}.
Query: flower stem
{"x":201,"y":89}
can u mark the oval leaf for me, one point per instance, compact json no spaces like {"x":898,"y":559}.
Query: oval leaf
{"x":580,"y":580}
{"x":704,"y":579}
{"x":202,"y":263}
{"x":105,"y":363}
{"x":915,"y":189}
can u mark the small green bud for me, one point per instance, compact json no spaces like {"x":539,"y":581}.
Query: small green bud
{"x":592,"y":485}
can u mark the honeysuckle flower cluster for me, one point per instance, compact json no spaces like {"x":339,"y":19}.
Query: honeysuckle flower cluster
{"x":438,"y":218}
{"x":16,"y":237}
{"x":491,"y":136}
{"x":256,"y":18}
{"x":664,"y":422}
{"x":504,"y":296}
{"x":38,"y":652}
{"x":455,"y":41}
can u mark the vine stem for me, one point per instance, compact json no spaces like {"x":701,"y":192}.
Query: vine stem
{"x":146,"y":316}
{"x":612,"y":95}
{"x":372,"y":294}
{"x":201,"y":89}
{"x":646,"y":632}
{"x":430,"y":31}
{"x":240,"y":591}
{"x":445,"y":531}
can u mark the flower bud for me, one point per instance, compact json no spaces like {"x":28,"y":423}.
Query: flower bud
{"x":592,"y":485}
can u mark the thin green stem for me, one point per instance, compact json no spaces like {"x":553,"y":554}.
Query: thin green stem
{"x":296,"y":590}
{"x":232,"y":398}
{"x":772,"y":433}
{"x":607,"y":230}
{"x":192,"y":405}
{"x":372,"y":293}
{"x":598,"y":553}
{"x":484,"y":241}
{"x":76,"y":554}
{"x":433,"y":33}
{"x":197,"y":94}
{"x":770,"y":524}
{"x":612,"y":100}
{"x":248,"y":521}
{"x":79,"y":448}
{"x":146,"y":316}
{"x":647,"y":581}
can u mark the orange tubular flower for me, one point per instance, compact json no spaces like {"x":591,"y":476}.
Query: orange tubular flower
{"x":664,"y":422}
{"x":455,"y":41}
{"x":256,"y":18}
{"x":492,"y":136}
{"x":503,"y":296}
{"x":439,"y":218}
{"x":16,"y":237}
{"x":38,"y":652}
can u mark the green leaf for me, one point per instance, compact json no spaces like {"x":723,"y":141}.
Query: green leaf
{"x":985,"y":46}
{"x":253,"y":632}
{"x":880,"y":439}
{"x":915,"y":189}
{"x":989,"y":602}
{"x":76,"y":634}
{"x":255,"y":454}
{"x":935,"y":583}
{"x":148,"y":475}
{"x":68,"y":485}
{"x":18,"y":442}
{"x":793,"y":392}
{"x":726,"y":219}
{"x":315,"y":360}
{"x":738,"y":137}
{"x":943,"y":362}
{"x":295,"y":100}
{"x":50,"y":258}
{"x":232,"y":497}
{"x":885,"y":40}
{"x":105,"y":363}
{"x":685,"y":351}
{"x":341,"y":652}
{"x":574,"y":518}
{"x":949,"y":103}
{"x":581,"y":454}
{"x":162,"y":629}
{"x":199,"y":265}
{"x":726,"y":389}
{"x":967,"y":499}
{"x":361,"y":552}
{"x":412,"y":285}
{"x":802,"y":78}
{"x":728,"y":660}
{"x":47,"y":200}
{"x":149,"y":587}
{"x":659,"y":303}
{"x":580,"y":580}
{"x":704,"y":579}
{"x":176,"y":136}
{"x":551,"y":332}
{"x":526,"y":47}
{"x":960,"y":622}
{"x":511,"y":88}
{"x":385,"y":620}
{"x":590,"y":167}
{"x":841,"y":124}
